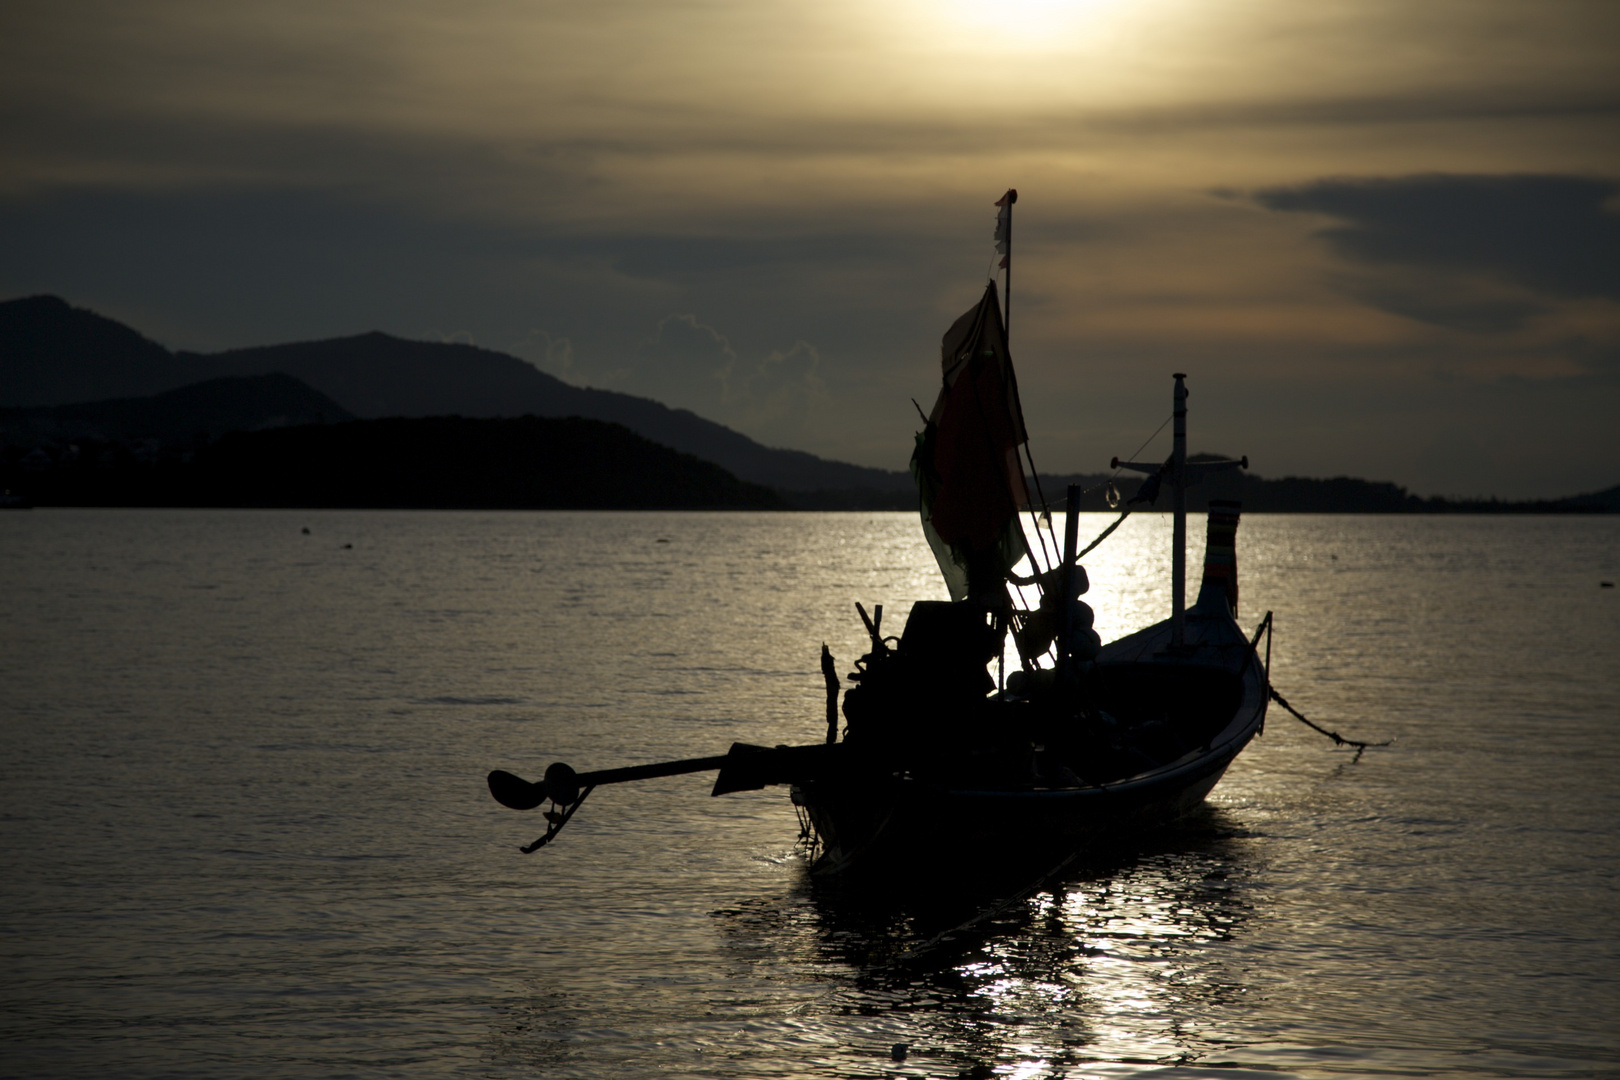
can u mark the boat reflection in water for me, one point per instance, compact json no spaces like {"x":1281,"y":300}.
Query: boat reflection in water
{"x":1108,"y":962}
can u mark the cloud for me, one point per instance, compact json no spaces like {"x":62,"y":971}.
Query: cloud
{"x":751,"y":330}
{"x":553,"y":355}
{"x":685,"y":363}
{"x":1473,"y":307}
{"x":781,"y":393}
{"x":1476,"y":253}
{"x":689,"y":364}
{"x":769,"y":213}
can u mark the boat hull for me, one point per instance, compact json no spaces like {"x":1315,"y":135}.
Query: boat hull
{"x":909,"y":820}
{"x":866,"y":820}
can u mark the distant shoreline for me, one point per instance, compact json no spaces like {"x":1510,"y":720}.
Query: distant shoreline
{"x":94,"y":414}
{"x":446,"y":462}
{"x":1333,"y":495}
{"x":536,"y":463}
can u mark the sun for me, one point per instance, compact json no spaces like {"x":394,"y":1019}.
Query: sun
{"x":1023,"y":24}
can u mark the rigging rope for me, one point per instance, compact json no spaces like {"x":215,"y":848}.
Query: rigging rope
{"x":1151,"y":437}
{"x":1134,"y":453}
{"x":1106,"y":533}
{"x":1046,"y":511}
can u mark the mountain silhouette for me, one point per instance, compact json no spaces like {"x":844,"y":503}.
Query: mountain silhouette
{"x":69,"y":373}
{"x":437,"y":462}
{"x":185,"y":417}
{"x":54,"y":354}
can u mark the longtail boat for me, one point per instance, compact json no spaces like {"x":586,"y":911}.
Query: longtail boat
{"x":1081,"y":740}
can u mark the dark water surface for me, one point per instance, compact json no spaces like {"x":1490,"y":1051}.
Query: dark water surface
{"x":246,"y":833}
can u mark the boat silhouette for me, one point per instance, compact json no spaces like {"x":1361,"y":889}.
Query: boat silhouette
{"x":1080,"y":740}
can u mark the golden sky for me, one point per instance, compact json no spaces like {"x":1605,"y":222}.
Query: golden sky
{"x":1381,"y":238}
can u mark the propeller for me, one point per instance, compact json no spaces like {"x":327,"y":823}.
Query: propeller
{"x":561,"y":785}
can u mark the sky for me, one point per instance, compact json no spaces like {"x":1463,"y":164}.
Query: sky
{"x":1382,"y":239}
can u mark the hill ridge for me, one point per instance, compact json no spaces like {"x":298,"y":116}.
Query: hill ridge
{"x":435,"y":462}
{"x":375,"y":374}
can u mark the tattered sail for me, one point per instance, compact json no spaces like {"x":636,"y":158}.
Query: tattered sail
{"x":969,"y":480}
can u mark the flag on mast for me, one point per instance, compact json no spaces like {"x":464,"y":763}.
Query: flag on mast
{"x":1004,"y":227}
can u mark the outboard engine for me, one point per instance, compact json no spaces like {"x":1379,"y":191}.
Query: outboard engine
{"x":932,"y":686}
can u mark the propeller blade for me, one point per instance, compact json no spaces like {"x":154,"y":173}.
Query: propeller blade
{"x":514,"y":791}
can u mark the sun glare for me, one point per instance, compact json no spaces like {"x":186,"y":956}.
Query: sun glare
{"x":1023,"y":24}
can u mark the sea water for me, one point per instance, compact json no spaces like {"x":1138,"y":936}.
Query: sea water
{"x":246,"y":832}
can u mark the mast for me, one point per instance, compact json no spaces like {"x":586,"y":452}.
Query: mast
{"x":1179,"y":473}
{"x":1178,"y":542}
{"x":1004,"y":231}
{"x":1004,"y":249}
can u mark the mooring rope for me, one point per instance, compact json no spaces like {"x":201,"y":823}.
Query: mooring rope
{"x":1035,"y":886}
{"x":1029,"y":890}
{"x":1271,"y":691}
{"x":1338,"y":739}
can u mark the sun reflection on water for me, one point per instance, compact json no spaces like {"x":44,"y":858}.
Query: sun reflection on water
{"x":1102,"y":967}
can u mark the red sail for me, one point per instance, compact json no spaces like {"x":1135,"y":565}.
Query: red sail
{"x":978,"y":425}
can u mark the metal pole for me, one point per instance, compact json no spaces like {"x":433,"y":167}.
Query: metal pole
{"x":1178,"y":553}
{"x":1071,"y":541}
